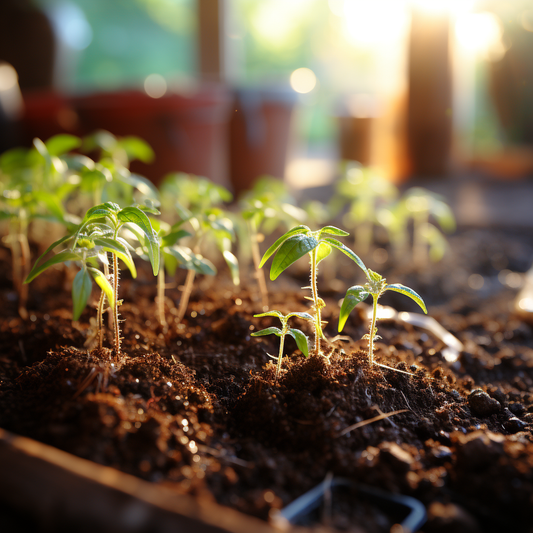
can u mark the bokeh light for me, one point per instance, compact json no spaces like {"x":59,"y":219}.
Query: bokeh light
{"x":303,"y":80}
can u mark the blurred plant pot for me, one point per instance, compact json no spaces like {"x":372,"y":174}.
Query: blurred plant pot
{"x":187,"y":132}
{"x":259,"y":134}
{"x":355,"y":139}
{"x":429,"y":120}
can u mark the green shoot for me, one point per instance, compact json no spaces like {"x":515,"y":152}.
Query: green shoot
{"x":196,"y":202}
{"x":364,"y":190}
{"x":298,"y":242}
{"x":264,"y":208}
{"x":300,"y":338}
{"x":99,"y":231}
{"x":376,"y":286}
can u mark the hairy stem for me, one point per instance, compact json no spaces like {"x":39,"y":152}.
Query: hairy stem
{"x":259,"y":273}
{"x":116,"y":326}
{"x":25,"y":270}
{"x":100,"y":319}
{"x":280,"y":356}
{"x":318,"y":311}
{"x":372,"y":329}
{"x":184,"y":302}
{"x":161,"y":296}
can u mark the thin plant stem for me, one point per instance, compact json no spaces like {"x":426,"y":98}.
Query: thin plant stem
{"x":100,"y":320}
{"x":372,"y":329}
{"x":318,"y":318}
{"x":110,"y":315}
{"x":187,"y":290}
{"x":161,"y":297}
{"x":281,"y":345}
{"x":116,"y":326}
{"x":259,"y":273}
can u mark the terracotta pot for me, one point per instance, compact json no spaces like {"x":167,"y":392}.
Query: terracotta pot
{"x":259,"y":135}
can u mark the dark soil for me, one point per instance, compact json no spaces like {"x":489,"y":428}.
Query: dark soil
{"x":196,"y":405}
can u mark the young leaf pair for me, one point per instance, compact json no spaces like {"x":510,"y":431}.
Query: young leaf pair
{"x":97,"y":235}
{"x":298,"y":242}
{"x":376,"y":286}
{"x":300,"y":337}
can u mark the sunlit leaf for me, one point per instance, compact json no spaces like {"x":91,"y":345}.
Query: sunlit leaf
{"x":345,"y":250}
{"x":267,"y":331}
{"x":301,"y":340}
{"x":104,"y":284}
{"x":117,"y":248}
{"x":290,"y":251}
{"x":81,"y":290}
{"x":61,"y":257}
{"x":61,"y":144}
{"x":322,"y":252}
{"x":294,"y":231}
{"x":233,"y":265}
{"x":354,"y":295}
{"x":402,"y":289}
{"x":332,"y":230}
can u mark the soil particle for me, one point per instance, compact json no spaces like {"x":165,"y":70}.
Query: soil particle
{"x":481,"y":404}
{"x":450,"y":517}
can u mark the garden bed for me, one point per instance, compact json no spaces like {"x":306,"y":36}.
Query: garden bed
{"x":196,"y":408}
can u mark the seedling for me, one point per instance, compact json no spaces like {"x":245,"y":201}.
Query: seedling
{"x":376,"y":286}
{"x":363,"y":189}
{"x":300,"y":337}
{"x":264,"y":208}
{"x":99,"y":231}
{"x":34,"y":183}
{"x":422,"y":204}
{"x":196,"y":202}
{"x":295,"y":244}
{"x":173,"y":256}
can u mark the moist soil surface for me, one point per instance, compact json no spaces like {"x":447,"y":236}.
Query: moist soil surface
{"x":197,"y":406}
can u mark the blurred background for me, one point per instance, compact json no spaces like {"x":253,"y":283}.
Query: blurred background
{"x":423,"y":90}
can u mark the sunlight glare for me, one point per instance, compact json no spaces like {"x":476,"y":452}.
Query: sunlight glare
{"x":480,"y":33}
{"x":303,"y":80}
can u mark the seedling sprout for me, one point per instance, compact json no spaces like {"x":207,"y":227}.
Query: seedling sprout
{"x":300,"y":337}
{"x":376,"y":286}
{"x":299,"y":241}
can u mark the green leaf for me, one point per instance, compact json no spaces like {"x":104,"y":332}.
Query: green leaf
{"x":42,"y":150}
{"x":271,"y":313}
{"x":301,"y":340}
{"x":173,"y":237}
{"x":61,"y":257}
{"x":143,"y":185}
{"x":81,"y":290}
{"x":115,"y":247}
{"x":332,"y":230}
{"x":402,"y":289}
{"x":323,"y":251}
{"x":233,"y":265}
{"x":202,"y":266}
{"x":104,"y":284}
{"x":294,"y":231}
{"x":290,"y":251}
{"x":61,"y":144}
{"x":345,"y":250}
{"x":354,"y":295}
{"x":136,"y":148}
{"x":135,"y":216}
{"x":267,"y":331}
{"x":52,"y":246}
{"x":304,"y":316}
{"x":51,"y":203}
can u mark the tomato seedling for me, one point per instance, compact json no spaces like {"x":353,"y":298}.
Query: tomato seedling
{"x":300,"y":337}
{"x":376,"y":286}
{"x":298,"y":242}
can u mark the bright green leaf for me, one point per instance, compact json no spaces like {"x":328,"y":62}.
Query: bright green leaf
{"x":332,"y":230}
{"x":294,"y":231}
{"x":301,"y":340}
{"x":61,"y":257}
{"x":290,"y":251}
{"x":271,"y":313}
{"x":233,"y":265}
{"x":104,"y":284}
{"x":402,"y":289}
{"x":267,"y":331}
{"x":322,"y":252}
{"x":115,"y":247}
{"x":345,"y":250}
{"x":81,"y":290}
{"x":61,"y":144}
{"x":354,"y":295}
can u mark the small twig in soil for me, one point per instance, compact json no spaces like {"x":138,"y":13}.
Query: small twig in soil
{"x":381,"y":416}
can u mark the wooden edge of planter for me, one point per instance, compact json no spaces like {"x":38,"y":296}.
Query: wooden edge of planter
{"x":59,"y":491}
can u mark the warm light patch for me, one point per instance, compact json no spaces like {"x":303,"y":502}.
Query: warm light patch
{"x":303,"y":80}
{"x":480,"y":33}
{"x":155,"y":85}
